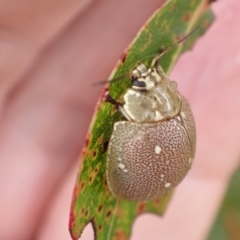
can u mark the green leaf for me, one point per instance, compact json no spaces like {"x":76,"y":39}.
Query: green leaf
{"x":92,"y":200}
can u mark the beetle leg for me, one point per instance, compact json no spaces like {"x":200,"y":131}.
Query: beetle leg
{"x":118,"y":105}
{"x":110,"y":99}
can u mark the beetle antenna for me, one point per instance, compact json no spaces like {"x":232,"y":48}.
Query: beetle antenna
{"x":110,"y":80}
{"x":174,"y":45}
{"x":153,"y":61}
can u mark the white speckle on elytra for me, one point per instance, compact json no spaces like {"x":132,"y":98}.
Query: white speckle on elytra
{"x":190,"y":160}
{"x":183,"y":115}
{"x":167,"y":185}
{"x":120,"y":165}
{"x":125,"y":170}
{"x":157,"y":149}
{"x":119,"y":159}
{"x":162,"y":175}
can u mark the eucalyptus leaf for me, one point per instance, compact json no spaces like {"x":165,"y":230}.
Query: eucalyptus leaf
{"x":92,"y":200}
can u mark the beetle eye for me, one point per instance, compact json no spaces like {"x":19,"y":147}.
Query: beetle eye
{"x":138,"y":84}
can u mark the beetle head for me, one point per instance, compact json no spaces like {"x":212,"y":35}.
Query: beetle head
{"x":143,"y":78}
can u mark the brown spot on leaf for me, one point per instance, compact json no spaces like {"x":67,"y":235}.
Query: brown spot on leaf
{"x":100,"y":208}
{"x":92,"y":154}
{"x":145,"y":25}
{"x":93,"y":173}
{"x":76,"y":191}
{"x":100,"y":140}
{"x":85,"y":147}
{"x":187,"y":17}
{"x":171,"y":8}
{"x":179,"y":37}
{"x":86,"y":213}
{"x":124,"y":56}
{"x":82,"y":211}
{"x":90,"y":179}
{"x":120,"y":213}
{"x":99,"y":227}
{"x":87,"y":141}
{"x":84,"y":150}
{"x":71,"y":219}
{"x":120,"y":235}
{"x":109,"y":213}
{"x":82,"y":185}
{"x":206,"y":24}
{"x":157,"y":202}
{"x":141,"y":207}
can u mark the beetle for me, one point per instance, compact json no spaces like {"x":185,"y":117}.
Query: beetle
{"x":153,"y":149}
